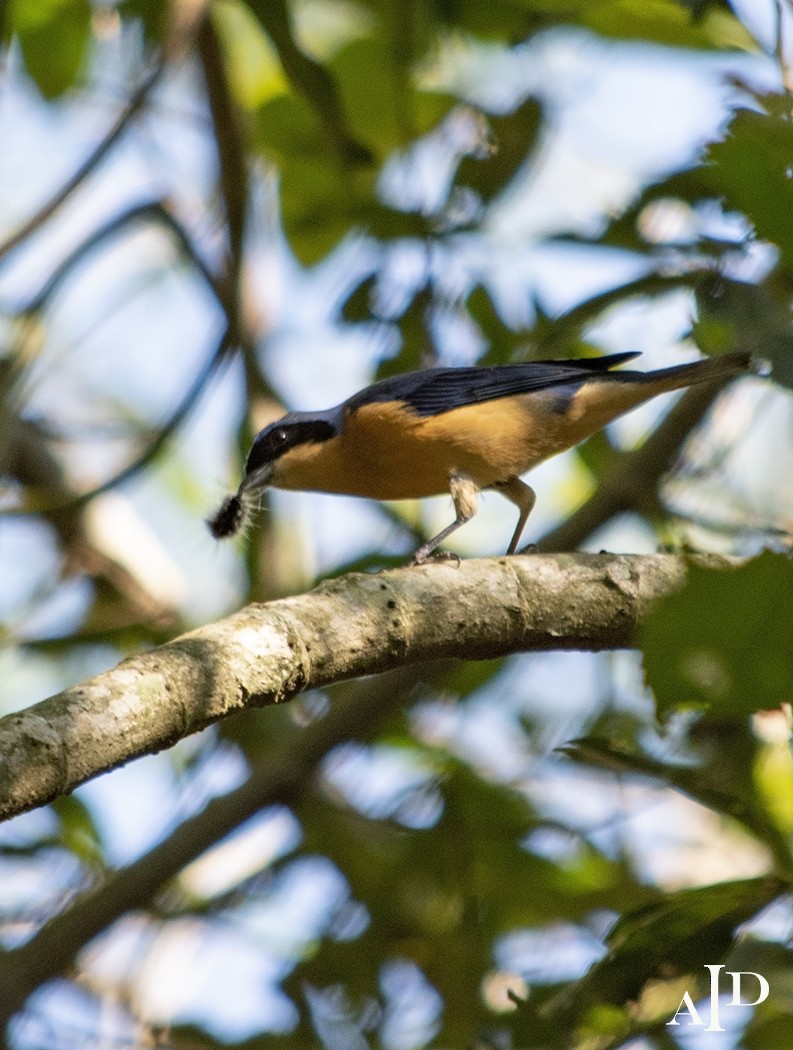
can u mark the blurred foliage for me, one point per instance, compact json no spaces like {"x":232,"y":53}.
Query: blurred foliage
{"x":36,"y":25}
{"x":727,"y":667}
{"x":466,"y":861}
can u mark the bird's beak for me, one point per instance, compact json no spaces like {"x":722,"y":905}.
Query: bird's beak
{"x":257,"y":479}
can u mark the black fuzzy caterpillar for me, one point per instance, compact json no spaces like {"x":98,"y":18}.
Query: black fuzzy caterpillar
{"x":229,"y":518}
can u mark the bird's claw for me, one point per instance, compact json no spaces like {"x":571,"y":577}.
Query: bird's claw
{"x":436,"y":555}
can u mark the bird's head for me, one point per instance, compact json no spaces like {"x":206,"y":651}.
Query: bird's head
{"x":275,"y":454}
{"x":283,"y":441}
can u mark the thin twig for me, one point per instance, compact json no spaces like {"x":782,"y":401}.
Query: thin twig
{"x":181,"y":411}
{"x":155,"y":211}
{"x":94,"y":159}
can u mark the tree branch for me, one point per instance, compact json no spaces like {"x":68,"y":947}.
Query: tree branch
{"x":355,"y":625}
{"x":231,"y":153}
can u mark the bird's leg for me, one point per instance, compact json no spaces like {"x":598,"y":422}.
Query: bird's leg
{"x":524,"y":498}
{"x":464,"y":496}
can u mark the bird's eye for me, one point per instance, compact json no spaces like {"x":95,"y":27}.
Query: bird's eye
{"x":279,"y":436}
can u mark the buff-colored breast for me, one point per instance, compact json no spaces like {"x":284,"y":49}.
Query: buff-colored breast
{"x":388,"y":452}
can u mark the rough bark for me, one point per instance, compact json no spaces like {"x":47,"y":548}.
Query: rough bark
{"x":355,"y":625}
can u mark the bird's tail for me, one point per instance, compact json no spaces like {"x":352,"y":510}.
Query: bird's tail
{"x":708,"y":370}
{"x":607,"y":396}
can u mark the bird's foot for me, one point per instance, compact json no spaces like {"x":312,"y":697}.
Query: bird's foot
{"x":420,"y":558}
{"x":530,"y":548}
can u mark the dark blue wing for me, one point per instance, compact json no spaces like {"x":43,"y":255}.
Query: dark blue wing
{"x":434,"y":390}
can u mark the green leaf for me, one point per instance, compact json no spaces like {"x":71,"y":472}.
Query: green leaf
{"x":772,"y":1033}
{"x":357,"y":307}
{"x":692,"y":781}
{"x":723,"y":642}
{"x":78,"y":832}
{"x":498,"y":20}
{"x":321,"y":197}
{"x":676,"y":23}
{"x":311,"y":80}
{"x":504,"y":344}
{"x":383,"y":109}
{"x":254,"y":69}
{"x":669,"y":22}
{"x":53,"y":37}
{"x":753,"y":169}
{"x":153,"y":15}
{"x":690,"y":925}
{"x":679,"y":934}
{"x":417,"y":345}
{"x":597,"y":454}
{"x":512,"y":138}
{"x":735,"y":315}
